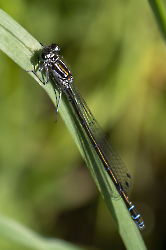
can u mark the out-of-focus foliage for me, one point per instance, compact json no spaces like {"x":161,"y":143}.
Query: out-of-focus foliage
{"x":117,"y":57}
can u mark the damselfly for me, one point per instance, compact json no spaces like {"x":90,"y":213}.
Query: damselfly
{"x":53,"y":66}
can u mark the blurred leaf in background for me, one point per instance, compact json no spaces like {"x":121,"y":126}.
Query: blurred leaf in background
{"x":116,"y":55}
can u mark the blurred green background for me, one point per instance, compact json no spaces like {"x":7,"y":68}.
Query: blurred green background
{"x":117,"y":57}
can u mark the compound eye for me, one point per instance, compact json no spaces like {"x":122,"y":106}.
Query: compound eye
{"x":44,"y":56}
{"x":55,"y":47}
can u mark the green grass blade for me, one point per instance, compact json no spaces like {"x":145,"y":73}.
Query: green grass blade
{"x":19,"y":45}
{"x":160,"y":15}
{"x":17,"y":233}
